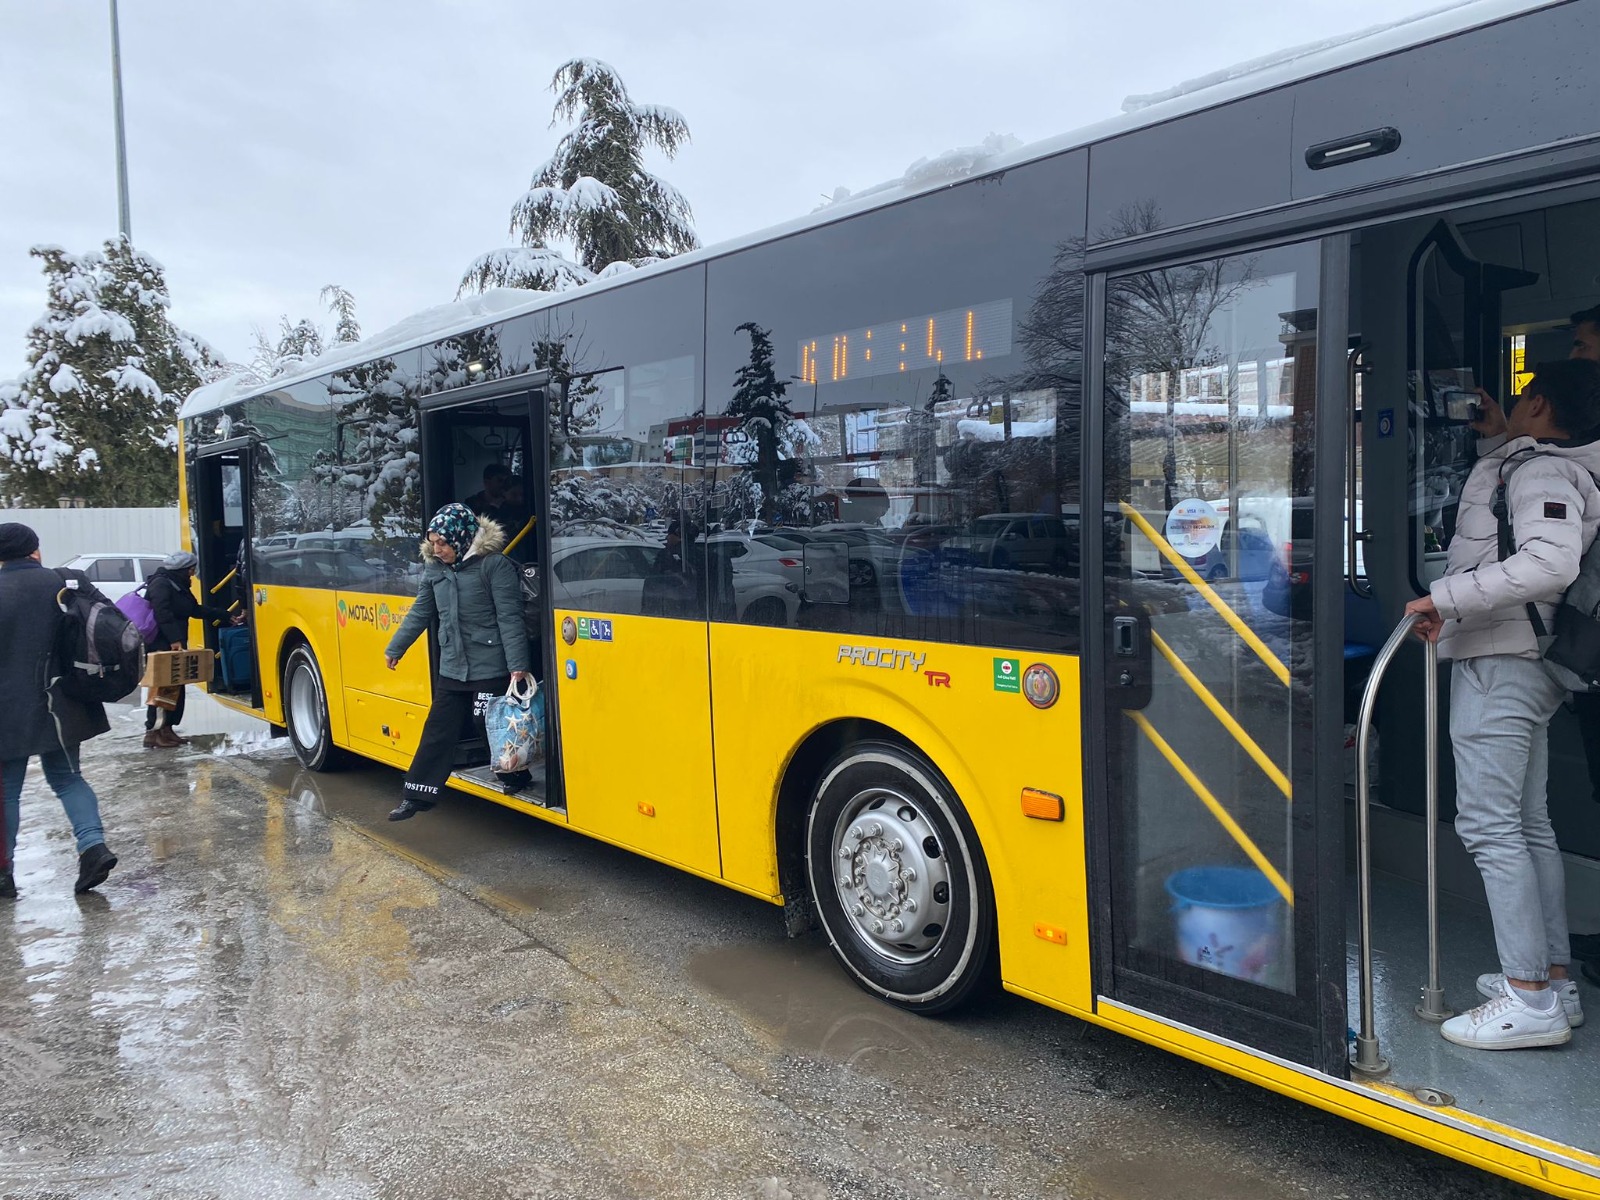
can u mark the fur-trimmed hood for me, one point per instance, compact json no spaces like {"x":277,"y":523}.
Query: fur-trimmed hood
{"x":490,"y":539}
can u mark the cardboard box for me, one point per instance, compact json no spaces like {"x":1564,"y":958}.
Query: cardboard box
{"x":175,"y":668}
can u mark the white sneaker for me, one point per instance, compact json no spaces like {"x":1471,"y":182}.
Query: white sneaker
{"x":1507,"y":1023}
{"x":1495,"y":985}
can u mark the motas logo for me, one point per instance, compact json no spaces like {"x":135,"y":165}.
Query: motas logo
{"x":885,"y":658}
{"x":379,"y":616}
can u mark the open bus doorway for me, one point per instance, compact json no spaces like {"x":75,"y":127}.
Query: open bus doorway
{"x":220,"y":484}
{"x":1440,"y":306}
{"x":490,"y":454}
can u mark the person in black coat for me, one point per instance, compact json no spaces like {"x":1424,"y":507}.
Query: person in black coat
{"x":175,"y":606}
{"x":40,"y":719}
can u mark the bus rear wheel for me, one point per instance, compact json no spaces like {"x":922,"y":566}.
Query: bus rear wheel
{"x":305,"y":711}
{"x":899,"y":881}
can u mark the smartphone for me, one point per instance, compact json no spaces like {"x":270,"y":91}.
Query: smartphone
{"x":1460,"y":406}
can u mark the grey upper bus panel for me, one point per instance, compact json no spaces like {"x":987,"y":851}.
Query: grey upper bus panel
{"x":1250,"y":154}
{"x":1479,"y":94}
{"x":1217,"y":162}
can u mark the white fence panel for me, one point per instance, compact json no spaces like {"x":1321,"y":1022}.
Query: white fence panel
{"x":65,"y":533}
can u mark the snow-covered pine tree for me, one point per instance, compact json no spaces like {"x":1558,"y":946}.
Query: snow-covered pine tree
{"x":764,"y":417}
{"x":94,"y":413}
{"x":535,"y":267}
{"x":300,"y":341}
{"x":594,"y":191}
{"x":343,"y":307}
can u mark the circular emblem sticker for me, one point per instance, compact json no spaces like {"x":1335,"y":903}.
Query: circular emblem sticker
{"x":569,"y":630}
{"x":1193,"y":528}
{"x":1041,"y":686}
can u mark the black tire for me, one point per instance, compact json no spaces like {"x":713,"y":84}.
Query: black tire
{"x":1217,"y":573}
{"x":885,"y":813}
{"x":862,"y":576}
{"x":305,"y":712}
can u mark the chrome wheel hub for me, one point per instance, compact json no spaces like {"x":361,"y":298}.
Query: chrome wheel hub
{"x":892,"y":876}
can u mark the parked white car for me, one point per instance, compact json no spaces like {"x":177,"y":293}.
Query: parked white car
{"x":116,"y":574}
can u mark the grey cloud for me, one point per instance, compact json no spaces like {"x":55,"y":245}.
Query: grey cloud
{"x":277,"y":147}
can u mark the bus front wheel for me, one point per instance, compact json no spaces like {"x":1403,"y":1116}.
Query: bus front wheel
{"x":899,"y":881}
{"x":305,"y":711}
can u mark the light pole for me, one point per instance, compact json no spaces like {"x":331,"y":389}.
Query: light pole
{"x":123,"y":222}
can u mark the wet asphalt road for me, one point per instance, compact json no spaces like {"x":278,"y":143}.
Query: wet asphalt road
{"x":279,"y":994}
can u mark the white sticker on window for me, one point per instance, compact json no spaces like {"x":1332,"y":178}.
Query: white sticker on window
{"x":1193,"y":528}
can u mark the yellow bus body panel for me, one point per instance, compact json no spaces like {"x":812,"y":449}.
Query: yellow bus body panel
{"x":310,"y":615}
{"x":774,"y":687}
{"x":635,"y":713}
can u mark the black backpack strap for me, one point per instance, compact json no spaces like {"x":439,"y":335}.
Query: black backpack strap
{"x":1502,"y":516}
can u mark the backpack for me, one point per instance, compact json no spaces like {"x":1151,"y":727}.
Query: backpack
{"x":99,"y":652}
{"x":1572,"y":650}
{"x":135,"y":605}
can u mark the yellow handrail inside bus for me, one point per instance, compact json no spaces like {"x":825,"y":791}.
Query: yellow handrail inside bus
{"x":531,"y":522}
{"x":225,"y":581}
{"x":1229,"y":722}
{"x":1246,"y":634}
{"x":1223,"y":816}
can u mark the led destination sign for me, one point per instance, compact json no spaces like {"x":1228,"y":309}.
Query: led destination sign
{"x":970,"y":334}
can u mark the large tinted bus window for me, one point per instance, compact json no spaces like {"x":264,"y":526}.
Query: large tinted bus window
{"x":626,"y":519}
{"x":375,"y":478}
{"x":893,"y":409}
{"x":292,"y":494}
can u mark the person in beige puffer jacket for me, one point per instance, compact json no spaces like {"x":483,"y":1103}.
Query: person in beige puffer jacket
{"x":1546,"y":454}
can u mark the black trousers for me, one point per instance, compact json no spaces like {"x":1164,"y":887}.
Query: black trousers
{"x":453,"y":703}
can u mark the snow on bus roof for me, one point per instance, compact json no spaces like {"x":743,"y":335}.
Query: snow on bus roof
{"x":996,"y":153}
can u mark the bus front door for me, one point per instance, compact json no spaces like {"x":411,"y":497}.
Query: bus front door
{"x":1220,"y":833}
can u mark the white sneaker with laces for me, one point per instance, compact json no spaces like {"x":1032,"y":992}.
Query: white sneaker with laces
{"x":1494,"y":985}
{"x":1507,"y":1023}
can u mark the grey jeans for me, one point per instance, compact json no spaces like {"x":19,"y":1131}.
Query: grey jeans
{"x":1500,"y":710}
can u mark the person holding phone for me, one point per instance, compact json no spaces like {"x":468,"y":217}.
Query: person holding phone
{"x":1539,"y":461}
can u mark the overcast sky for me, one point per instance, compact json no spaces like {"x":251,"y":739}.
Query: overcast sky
{"x":379,"y":144}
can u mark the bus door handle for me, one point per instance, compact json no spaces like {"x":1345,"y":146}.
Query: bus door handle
{"x":1125,"y":637}
{"x":1128,"y":665}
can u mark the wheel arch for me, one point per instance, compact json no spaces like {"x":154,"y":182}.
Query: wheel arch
{"x":803,"y":772}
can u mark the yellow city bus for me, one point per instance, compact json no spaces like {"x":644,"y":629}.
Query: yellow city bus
{"x":825,"y":612}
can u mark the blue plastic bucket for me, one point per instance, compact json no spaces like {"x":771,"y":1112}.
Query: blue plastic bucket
{"x":1229,"y":920}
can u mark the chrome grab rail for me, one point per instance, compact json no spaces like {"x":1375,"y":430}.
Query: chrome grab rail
{"x":1368,"y":1060}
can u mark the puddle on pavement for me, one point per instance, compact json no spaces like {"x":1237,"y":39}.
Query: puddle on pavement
{"x":1142,"y":1178}
{"x":798,"y":994}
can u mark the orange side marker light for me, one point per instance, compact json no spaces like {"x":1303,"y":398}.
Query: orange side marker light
{"x":1043,"y":806}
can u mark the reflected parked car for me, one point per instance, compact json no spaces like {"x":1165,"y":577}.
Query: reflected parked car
{"x":115,"y":575}
{"x":1257,"y":556}
{"x":1288,"y":590}
{"x":614,"y":575}
{"x":313,"y":567}
{"x":1016,"y":541}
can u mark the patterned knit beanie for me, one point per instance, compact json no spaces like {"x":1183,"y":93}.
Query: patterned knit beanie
{"x":456,"y":524}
